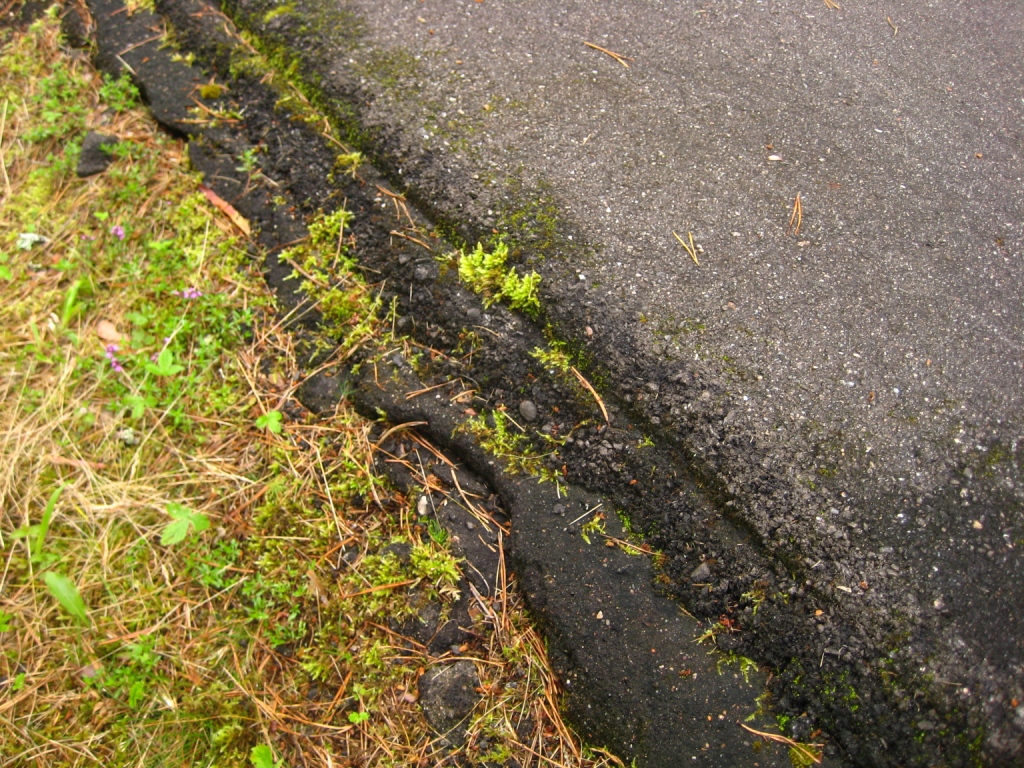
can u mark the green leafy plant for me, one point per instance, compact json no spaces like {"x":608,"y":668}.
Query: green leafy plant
{"x":183,"y":522}
{"x":120,"y":94}
{"x":262,"y":756}
{"x":247,"y":160}
{"x":131,"y":672}
{"x":270,"y":421}
{"x":486,"y":274}
{"x":39,"y":530}
{"x":71,"y":306}
{"x":62,"y":108}
{"x":66,"y":593}
{"x":164,"y":364}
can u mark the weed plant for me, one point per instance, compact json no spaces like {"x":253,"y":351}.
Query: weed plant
{"x":195,"y":572}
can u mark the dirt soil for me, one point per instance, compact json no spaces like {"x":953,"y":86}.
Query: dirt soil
{"x":776,"y":541}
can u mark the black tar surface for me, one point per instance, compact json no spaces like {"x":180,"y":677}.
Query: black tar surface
{"x":836,"y":409}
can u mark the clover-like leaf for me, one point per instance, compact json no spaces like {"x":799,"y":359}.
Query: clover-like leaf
{"x":270,"y":421}
{"x":183,"y":522}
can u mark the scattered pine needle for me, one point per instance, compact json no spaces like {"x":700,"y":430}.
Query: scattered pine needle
{"x":227,"y":209}
{"x":810,"y":752}
{"x":401,"y":209}
{"x":586,"y":384}
{"x":895,"y":29}
{"x":796,"y":219}
{"x":617,"y":56}
{"x":833,"y":5}
{"x":690,"y":247}
{"x":378,"y":588}
{"x":411,"y":239}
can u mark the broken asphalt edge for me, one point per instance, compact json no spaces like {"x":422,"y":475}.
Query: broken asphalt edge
{"x":851,"y":732}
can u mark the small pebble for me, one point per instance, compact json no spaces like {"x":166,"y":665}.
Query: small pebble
{"x":528,"y":410}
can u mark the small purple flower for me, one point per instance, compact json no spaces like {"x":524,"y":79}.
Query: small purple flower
{"x":117,"y":231}
{"x":189,"y":293}
{"x":111,"y":355}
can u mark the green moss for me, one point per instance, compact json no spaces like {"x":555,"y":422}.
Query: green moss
{"x":211,"y":91}
{"x":486,"y":274}
{"x":281,"y":10}
{"x":593,"y":527}
{"x":392,"y":69}
{"x":555,"y":358}
{"x":531,"y":218}
{"x":745,"y":665}
{"x":330,"y":31}
{"x":496,"y":436}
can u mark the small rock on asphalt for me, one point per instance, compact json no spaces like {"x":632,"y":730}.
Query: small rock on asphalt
{"x":528,"y":410}
{"x":701,"y":573}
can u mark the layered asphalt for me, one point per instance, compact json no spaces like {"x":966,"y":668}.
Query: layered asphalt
{"x":838,"y":361}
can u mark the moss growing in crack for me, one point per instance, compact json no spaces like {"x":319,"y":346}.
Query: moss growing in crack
{"x":555,"y":358}
{"x":350,"y":310}
{"x":487,"y":274}
{"x":497,"y":436}
{"x":330,"y":32}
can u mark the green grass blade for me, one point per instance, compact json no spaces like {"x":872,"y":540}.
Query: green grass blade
{"x":66,"y":593}
{"x":44,"y":524}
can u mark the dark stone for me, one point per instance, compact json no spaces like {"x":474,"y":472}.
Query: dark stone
{"x":450,"y":634}
{"x":425,"y":272}
{"x":701,"y":573}
{"x":422,"y":627}
{"x":448,"y":696}
{"x":95,"y":156}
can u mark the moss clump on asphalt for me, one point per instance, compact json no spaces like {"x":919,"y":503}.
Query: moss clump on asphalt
{"x":487,"y":274}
